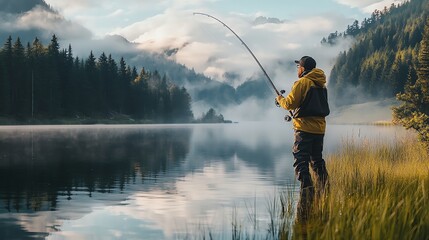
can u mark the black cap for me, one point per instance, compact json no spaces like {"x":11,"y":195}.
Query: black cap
{"x":307,"y":62}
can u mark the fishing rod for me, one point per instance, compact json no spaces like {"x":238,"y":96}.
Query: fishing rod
{"x":287,"y":118}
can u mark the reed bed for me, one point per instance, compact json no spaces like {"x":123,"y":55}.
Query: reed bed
{"x":378,"y":190}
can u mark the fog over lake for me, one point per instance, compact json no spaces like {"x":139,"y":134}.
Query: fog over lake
{"x":149,"y":181}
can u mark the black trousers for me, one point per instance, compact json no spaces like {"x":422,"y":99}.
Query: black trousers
{"x":307,"y":150}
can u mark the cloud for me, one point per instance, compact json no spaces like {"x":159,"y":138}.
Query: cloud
{"x":210,"y":48}
{"x":368,"y":6}
{"x":77,"y":5}
{"x":357,"y":3}
{"x":101,"y":16}
{"x":381,"y":4}
{"x":52,"y":22}
{"x":203,"y":44}
{"x":116,"y":13}
{"x":41,"y":23}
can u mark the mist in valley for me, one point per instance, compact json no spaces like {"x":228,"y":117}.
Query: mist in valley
{"x":177,"y":36}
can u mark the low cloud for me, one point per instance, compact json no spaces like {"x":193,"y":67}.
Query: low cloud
{"x":358,"y":3}
{"x":381,"y":4}
{"x":369,"y":6}
{"x":364,"y":113}
{"x":67,"y":6}
{"x":201,"y":43}
{"x":39,"y":22}
{"x":210,"y":48}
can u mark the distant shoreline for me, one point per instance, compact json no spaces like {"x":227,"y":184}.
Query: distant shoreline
{"x":91,"y":121}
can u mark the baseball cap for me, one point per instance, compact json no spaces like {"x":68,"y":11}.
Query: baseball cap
{"x":307,"y":62}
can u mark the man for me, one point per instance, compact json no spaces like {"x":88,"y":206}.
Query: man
{"x":308,"y":101}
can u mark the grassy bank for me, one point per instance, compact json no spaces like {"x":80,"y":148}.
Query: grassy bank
{"x":378,"y":190}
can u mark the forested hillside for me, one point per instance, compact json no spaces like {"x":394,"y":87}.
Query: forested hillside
{"x":414,"y":110}
{"x":384,"y":56}
{"x":199,"y":86}
{"x":44,"y":82}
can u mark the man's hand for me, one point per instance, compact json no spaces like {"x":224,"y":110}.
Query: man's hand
{"x":277,"y":100}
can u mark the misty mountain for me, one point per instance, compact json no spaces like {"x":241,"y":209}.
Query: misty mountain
{"x":254,"y":88}
{"x":28,"y":19}
{"x":264,"y":20}
{"x":199,"y":86}
{"x":21,"y":6}
{"x":384,"y":57}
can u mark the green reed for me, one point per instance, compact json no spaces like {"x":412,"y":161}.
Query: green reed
{"x":378,"y":190}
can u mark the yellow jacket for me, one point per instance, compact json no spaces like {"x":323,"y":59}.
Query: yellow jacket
{"x":294,"y":99}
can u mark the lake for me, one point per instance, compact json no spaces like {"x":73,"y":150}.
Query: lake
{"x":150,"y":181}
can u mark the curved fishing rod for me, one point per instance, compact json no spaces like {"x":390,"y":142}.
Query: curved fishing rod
{"x":287,"y":118}
{"x":248,"y":49}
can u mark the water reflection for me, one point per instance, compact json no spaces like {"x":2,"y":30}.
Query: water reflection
{"x":154,"y":181}
{"x":41,"y":167}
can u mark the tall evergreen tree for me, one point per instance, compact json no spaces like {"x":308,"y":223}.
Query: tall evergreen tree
{"x":54,"y":77}
{"x":414,"y":112}
{"x":5,"y":83}
{"x":89,"y":85}
{"x":65,"y":86}
{"x":123,"y":85}
{"x":102,"y":81}
{"x":39,"y":78}
{"x":377,"y":62}
{"x":112,"y":86}
{"x":21,"y":96}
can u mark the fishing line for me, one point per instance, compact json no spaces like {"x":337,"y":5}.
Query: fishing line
{"x":245,"y":45}
{"x":287,"y":118}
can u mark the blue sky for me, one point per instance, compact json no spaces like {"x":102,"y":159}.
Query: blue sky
{"x":103,"y":17}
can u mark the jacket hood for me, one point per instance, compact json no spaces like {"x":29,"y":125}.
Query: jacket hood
{"x":317,"y":75}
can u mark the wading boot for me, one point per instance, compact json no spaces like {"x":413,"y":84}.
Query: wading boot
{"x":306,"y":197}
{"x":307,"y":189}
{"x":322,"y":180}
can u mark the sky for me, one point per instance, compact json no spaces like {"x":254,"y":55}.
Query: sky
{"x":209,"y":48}
{"x":104,"y":17}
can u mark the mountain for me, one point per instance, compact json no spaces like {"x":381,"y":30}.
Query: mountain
{"x":201,"y":88}
{"x":21,"y":6}
{"x":264,"y":20}
{"x":28,"y":19}
{"x":383,"y":59}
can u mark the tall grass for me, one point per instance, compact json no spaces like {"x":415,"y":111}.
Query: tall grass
{"x":378,"y":190}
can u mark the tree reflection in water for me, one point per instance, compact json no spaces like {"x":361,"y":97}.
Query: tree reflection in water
{"x":37,"y":167}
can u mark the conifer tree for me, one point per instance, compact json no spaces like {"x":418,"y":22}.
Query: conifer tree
{"x":414,"y":112}
{"x":65,"y":86}
{"x":20,"y":84}
{"x":54,"y":78}
{"x":377,"y":62}
{"x":5,"y":83}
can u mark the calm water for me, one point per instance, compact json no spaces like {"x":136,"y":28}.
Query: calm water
{"x":151,"y":181}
